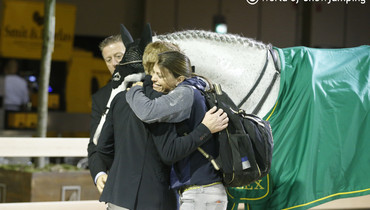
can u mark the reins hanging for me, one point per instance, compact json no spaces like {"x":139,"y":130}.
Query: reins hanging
{"x":269,"y":88}
{"x":256,"y":83}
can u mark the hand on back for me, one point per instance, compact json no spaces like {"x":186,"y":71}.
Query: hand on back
{"x":215,"y":120}
{"x":136,"y":83}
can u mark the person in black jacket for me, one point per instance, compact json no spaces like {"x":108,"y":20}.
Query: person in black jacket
{"x":139,"y":174}
{"x":113,"y":50}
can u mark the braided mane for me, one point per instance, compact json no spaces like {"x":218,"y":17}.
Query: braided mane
{"x":232,"y":60}
{"x":208,"y":35}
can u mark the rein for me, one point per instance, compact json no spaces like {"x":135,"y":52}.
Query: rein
{"x":269,"y":88}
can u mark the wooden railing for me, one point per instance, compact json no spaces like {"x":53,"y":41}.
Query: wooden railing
{"x":47,"y":147}
{"x":43,"y":147}
{"x":54,"y":205}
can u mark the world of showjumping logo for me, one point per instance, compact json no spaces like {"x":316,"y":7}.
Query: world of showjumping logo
{"x":253,"y":2}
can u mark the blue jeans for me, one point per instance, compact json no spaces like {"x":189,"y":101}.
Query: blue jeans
{"x":204,"y":197}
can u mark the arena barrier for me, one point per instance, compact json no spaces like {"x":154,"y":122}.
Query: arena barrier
{"x":77,"y":147}
{"x":47,"y":147}
{"x":54,"y":205}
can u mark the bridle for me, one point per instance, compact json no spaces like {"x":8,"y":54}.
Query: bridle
{"x":271,"y":51}
{"x":130,"y":62}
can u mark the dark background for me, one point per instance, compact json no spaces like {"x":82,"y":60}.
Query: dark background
{"x":281,"y":23}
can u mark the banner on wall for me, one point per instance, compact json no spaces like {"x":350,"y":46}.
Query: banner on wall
{"x":22,"y":30}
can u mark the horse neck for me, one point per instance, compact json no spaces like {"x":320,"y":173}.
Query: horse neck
{"x":235,"y":66}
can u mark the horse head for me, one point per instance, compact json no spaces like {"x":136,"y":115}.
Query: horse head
{"x":130,"y":69}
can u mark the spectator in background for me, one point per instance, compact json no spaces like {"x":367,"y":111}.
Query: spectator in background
{"x":112,"y":49}
{"x":16,"y":95}
{"x":15,"y":98}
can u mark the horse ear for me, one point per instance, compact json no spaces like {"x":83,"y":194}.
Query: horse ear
{"x":146,"y":37}
{"x":126,"y":36}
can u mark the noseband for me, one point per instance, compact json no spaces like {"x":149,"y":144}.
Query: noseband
{"x":130,"y":62}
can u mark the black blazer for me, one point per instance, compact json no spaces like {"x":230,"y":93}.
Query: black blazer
{"x":139,"y":178}
{"x":96,"y":162}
